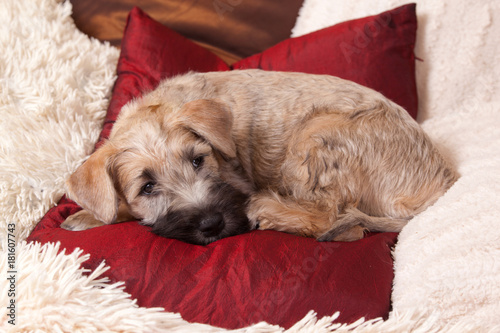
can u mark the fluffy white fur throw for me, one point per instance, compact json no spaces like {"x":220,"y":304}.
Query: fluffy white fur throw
{"x":54,"y":88}
{"x":447,"y":261}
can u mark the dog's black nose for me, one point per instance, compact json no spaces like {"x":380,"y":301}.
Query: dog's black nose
{"x":211,"y":225}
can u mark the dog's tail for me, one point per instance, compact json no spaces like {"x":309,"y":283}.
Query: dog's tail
{"x":354,"y":217}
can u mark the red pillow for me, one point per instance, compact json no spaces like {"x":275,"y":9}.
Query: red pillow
{"x":258,"y":276}
{"x":375,"y":51}
{"x":236,"y":281}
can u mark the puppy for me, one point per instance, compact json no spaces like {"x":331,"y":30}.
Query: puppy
{"x":210,"y":155}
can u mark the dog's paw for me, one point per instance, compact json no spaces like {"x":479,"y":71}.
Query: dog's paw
{"x":259,"y":222}
{"x":81,"y":221}
{"x":264,"y":223}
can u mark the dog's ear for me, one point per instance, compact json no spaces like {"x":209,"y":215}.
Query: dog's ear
{"x":213,"y":121}
{"x":92,"y":188}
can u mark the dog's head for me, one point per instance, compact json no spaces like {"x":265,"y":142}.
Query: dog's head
{"x":167,"y":167}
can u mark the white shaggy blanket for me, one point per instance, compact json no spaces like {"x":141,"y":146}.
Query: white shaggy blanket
{"x":54,"y":88}
{"x":447,"y":261}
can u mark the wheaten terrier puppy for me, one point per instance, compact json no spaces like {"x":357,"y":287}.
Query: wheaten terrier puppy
{"x":210,"y":155}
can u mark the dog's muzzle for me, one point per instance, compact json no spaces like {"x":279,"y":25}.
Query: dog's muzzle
{"x":222,"y":215}
{"x":212,"y":225}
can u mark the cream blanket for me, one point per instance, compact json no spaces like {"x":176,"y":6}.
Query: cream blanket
{"x":55,"y":84}
{"x":448,"y":258}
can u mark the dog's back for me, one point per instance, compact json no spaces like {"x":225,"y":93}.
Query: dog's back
{"x":269,"y":107}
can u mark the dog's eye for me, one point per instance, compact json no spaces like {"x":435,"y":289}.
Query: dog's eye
{"x":148,"y":188}
{"x":198,"y":161}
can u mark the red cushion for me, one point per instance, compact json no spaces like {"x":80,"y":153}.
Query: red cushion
{"x":237,"y":281}
{"x":375,"y":51}
{"x":262,"y":275}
